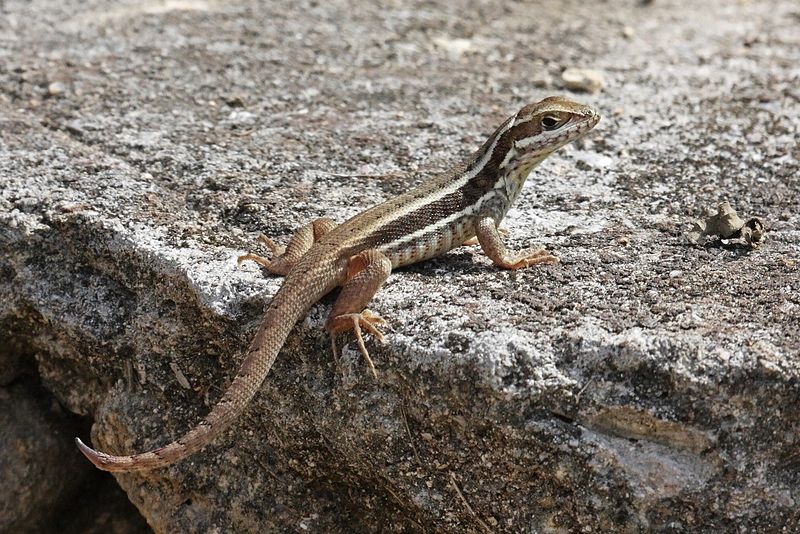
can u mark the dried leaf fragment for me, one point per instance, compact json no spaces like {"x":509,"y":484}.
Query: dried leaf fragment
{"x":726,"y":224}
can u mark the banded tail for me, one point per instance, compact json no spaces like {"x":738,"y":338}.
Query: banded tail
{"x":290,"y":303}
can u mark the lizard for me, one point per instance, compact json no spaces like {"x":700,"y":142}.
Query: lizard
{"x":459,"y":206}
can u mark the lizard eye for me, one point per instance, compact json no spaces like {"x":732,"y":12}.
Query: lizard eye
{"x":550,"y":122}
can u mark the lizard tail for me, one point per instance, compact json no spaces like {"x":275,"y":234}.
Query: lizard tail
{"x":286,"y":308}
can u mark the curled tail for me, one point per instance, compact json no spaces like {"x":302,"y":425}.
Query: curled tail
{"x":286,"y":308}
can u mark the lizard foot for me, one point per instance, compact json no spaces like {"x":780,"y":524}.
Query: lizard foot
{"x":277,"y":250}
{"x":367,"y":320}
{"x":529,"y":258}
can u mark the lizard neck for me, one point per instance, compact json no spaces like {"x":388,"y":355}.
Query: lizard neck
{"x":500,"y":172}
{"x":513,"y":179}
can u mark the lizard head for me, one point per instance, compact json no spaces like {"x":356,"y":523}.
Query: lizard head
{"x":529,"y":136}
{"x":539,"y":129}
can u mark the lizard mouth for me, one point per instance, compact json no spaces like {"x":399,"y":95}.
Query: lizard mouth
{"x":578,"y":126}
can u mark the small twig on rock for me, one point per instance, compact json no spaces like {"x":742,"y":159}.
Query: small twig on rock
{"x":410,"y":437}
{"x":585,"y":386}
{"x":467,"y":506}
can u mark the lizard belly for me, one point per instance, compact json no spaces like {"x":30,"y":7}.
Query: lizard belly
{"x":432,"y":243}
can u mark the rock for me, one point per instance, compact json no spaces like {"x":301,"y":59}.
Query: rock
{"x":56,"y":89}
{"x":455,"y":47}
{"x":587,"y":80}
{"x":11,"y":361}
{"x":241,"y":118}
{"x":39,"y":469}
{"x":643,"y":384}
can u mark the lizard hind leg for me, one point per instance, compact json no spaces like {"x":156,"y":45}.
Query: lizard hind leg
{"x":366,"y":273}
{"x":284,"y":258}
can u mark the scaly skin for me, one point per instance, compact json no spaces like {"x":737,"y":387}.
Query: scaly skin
{"x":359,"y":254}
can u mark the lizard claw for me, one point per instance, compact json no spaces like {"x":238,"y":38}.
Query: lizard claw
{"x":529,"y":258}
{"x":277,"y":265}
{"x":275,"y":249}
{"x":369,"y":321}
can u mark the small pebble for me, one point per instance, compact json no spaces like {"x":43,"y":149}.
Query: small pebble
{"x":455,"y":47}
{"x":586,"y":80}
{"x":542,"y":80}
{"x":56,"y":89}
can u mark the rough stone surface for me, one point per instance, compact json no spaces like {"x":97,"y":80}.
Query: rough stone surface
{"x":642,"y":384}
{"x":37,"y":466}
{"x":45,"y":487}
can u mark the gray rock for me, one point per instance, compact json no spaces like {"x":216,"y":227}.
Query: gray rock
{"x":38,"y":468}
{"x":642,"y":384}
{"x":56,"y":89}
{"x":582,"y":80}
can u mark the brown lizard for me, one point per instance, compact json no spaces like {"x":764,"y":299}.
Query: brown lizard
{"x":462,"y":204}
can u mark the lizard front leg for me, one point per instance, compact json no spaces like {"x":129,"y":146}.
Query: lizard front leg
{"x":492,"y":244}
{"x":366,"y":273}
{"x":284,"y":258}
{"x":472,"y":241}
